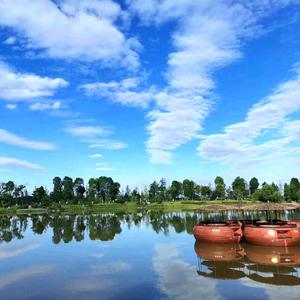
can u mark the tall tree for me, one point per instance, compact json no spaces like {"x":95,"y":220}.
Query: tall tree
{"x":153,"y":191}
{"x":253,"y":185}
{"x":175,"y":189}
{"x":239,"y":188}
{"x":57,"y":194}
{"x":68,"y":192}
{"x":9,"y":188}
{"x":286,"y":192}
{"x":294,"y":189}
{"x":206,"y":192}
{"x":127,"y":194}
{"x":188,"y":189}
{"x":162,"y":195}
{"x":220,"y":187}
{"x":79,"y":188}
{"x":39,"y":194}
{"x":92,"y":189}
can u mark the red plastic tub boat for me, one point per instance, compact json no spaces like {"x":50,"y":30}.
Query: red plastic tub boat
{"x":218,"y":232}
{"x":272,"y":233}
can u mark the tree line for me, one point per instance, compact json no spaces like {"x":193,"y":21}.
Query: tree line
{"x":106,"y":190}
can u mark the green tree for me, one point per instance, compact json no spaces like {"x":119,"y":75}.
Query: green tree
{"x":57,"y":194}
{"x":220,"y":187}
{"x":206,"y":192}
{"x":153,"y":191}
{"x":79,"y":188}
{"x":92,"y":189}
{"x":286,"y":192}
{"x":68,"y":192}
{"x":162,"y":190}
{"x":136,"y":196}
{"x":268,"y":193}
{"x":127,"y":194}
{"x":175,"y":189}
{"x":188,"y":189}
{"x":253,"y":185}
{"x":239,"y":188}
{"x":9,"y":188}
{"x":294,"y":189}
{"x":40,"y":194}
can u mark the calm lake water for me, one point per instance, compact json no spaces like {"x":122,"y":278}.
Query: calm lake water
{"x":137,"y":256}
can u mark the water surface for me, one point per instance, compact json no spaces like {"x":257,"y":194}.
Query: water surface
{"x":147,"y":255}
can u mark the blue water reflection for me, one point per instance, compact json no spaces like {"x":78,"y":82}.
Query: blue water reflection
{"x":145,"y":255}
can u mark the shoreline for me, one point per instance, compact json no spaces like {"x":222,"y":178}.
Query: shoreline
{"x":196,"y":206}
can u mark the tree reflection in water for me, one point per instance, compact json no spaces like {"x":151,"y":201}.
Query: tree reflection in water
{"x":104,"y":227}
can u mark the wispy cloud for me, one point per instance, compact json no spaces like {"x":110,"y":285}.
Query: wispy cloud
{"x":11,"y":106}
{"x":97,"y":155}
{"x":23,"y":86}
{"x":208,"y":37}
{"x":56,"y":105}
{"x":16,"y":251}
{"x":267,"y":135}
{"x":88,"y":131}
{"x":12,"y":139}
{"x":125,"y":92}
{"x":25,"y":273}
{"x":82,"y":30}
{"x":14,"y":162}
{"x":109,"y":145}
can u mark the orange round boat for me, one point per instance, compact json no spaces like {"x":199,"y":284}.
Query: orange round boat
{"x":218,"y":232}
{"x":272,"y":233}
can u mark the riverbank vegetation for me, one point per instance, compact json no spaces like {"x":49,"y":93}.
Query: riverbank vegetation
{"x":103,"y":192}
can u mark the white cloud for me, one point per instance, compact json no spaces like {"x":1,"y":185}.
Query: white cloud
{"x":208,"y":36}
{"x":109,"y":145}
{"x":14,"y":162}
{"x":12,"y":139}
{"x":25,"y":273}
{"x":97,"y":155}
{"x":16,"y":251}
{"x":168,"y":265}
{"x":125,"y":92}
{"x":84,"y":30}
{"x":11,"y":106}
{"x":272,"y":291}
{"x":87,"y":131}
{"x":45,"y":106}
{"x":269,"y":135}
{"x":10,"y":41}
{"x":24,"y":86}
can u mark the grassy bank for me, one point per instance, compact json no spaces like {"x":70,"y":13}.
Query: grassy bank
{"x":177,"y":206}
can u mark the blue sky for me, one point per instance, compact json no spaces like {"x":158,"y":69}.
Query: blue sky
{"x":139,"y":90}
